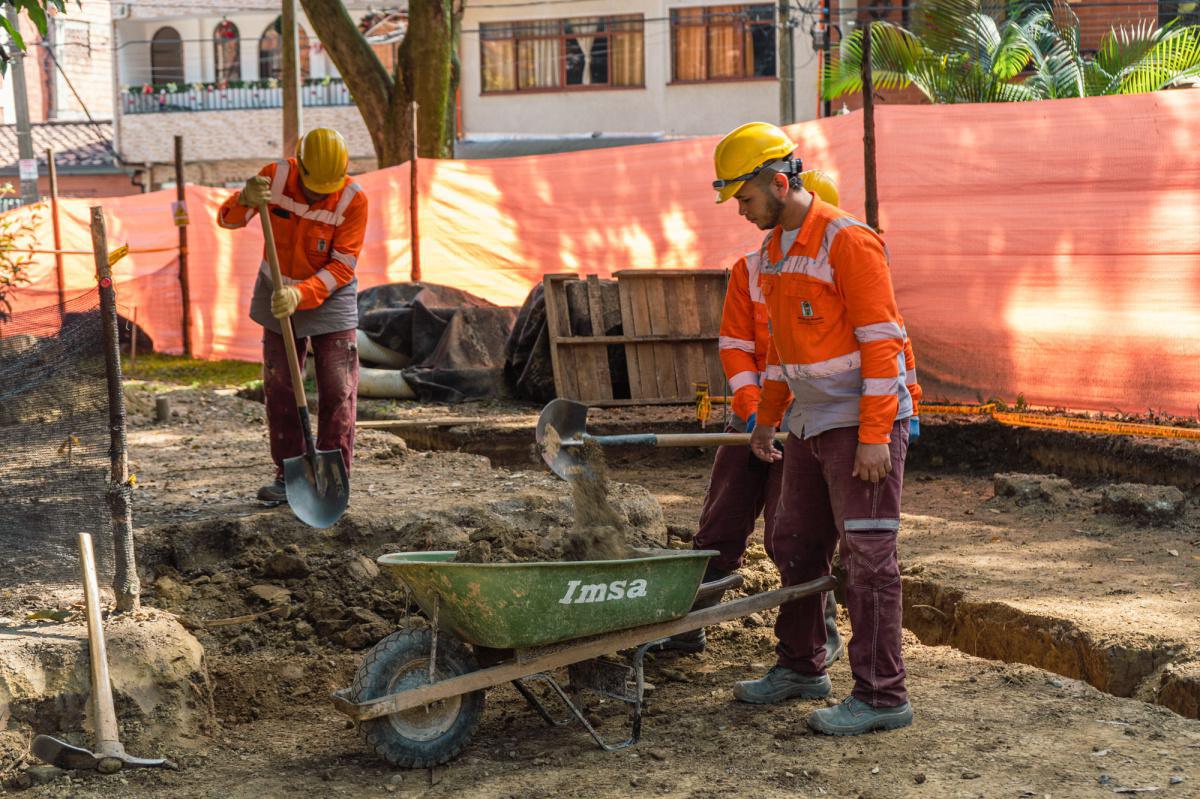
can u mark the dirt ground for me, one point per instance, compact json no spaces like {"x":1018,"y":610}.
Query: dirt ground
{"x":1053,"y":581}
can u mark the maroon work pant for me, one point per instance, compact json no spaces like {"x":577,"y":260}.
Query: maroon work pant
{"x":822,"y":506}
{"x":337,"y":394}
{"x":740,"y":488}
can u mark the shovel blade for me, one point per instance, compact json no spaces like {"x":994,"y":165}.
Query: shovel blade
{"x":318,"y":488}
{"x":560,"y":429}
{"x":62,"y":754}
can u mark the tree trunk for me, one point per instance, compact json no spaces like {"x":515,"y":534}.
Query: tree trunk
{"x":427,"y":57}
{"x":423,"y":73}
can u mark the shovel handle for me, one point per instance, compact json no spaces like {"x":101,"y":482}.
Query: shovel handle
{"x":289,"y":339}
{"x":677,"y":439}
{"x":107,"y":737}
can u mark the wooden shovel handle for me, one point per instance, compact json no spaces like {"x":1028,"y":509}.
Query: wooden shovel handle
{"x":289,"y":339}
{"x":107,"y":737}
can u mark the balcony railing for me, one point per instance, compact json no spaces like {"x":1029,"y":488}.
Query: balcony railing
{"x":214,"y":97}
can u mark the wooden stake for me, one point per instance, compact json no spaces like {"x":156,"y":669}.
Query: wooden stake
{"x":133,"y":343}
{"x":183,"y":252}
{"x":125,"y":579}
{"x":413,"y":204}
{"x":58,"y":258}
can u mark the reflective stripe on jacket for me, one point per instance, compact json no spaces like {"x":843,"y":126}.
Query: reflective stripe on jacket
{"x":744,"y":334}
{"x":838,"y":343}
{"x":318,"y":248}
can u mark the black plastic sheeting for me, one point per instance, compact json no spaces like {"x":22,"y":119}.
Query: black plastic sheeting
{"x":454,"y":340}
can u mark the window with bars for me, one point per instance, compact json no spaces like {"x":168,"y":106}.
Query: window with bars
{"x":722,"y":43}
{"x":227,"y":45}
{"x":562,"y":54}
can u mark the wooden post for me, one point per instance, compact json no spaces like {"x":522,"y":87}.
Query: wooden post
{"x":60,"y":275}
{"x":125,"y":579}
{"x":868,"y":89}
{"x":184,"y":289}
{"x":133,"y":343}
{"x":290,"y":79}
{"x":413,"y":205}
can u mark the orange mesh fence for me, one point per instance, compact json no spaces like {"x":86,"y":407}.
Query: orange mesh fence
{"x":1049,"y":249}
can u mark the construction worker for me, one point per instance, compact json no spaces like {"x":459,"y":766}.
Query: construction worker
{"x":838,"y":346}
{"x":318,"y":217}
{"x":741,"y":487}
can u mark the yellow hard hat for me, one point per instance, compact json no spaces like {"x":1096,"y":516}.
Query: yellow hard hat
{"x":744,"y":152}
{"x":821,"y":185}
{"x":323,"y":159}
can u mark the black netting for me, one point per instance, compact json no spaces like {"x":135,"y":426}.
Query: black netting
{"x":54,"y":425}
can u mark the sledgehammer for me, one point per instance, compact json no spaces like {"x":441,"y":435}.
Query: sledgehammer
{"x":561,"y":431}
{"x":110,"y":756}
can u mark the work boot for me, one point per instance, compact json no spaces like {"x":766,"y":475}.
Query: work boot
{"x":693,"y":641}
{"x":835,"y":644}
{"x":782,"y":683}
{"x":854,"y":717}
{"x":275,"y":492}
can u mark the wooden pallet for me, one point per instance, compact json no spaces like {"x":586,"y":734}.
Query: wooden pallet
{"x":670,"y":321}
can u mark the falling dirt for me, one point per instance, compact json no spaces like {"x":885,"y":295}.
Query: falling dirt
{"x":598,"y":532}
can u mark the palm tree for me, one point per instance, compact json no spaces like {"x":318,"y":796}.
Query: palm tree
{"x":962,"y":51}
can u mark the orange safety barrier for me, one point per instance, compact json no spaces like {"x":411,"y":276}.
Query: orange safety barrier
{"x":1049,"y":249}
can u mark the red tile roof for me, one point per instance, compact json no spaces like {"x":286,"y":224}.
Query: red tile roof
{"x":78,"y":146}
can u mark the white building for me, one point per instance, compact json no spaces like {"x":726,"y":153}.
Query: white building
{"x":672,"y":67}
{"x":624,"y":69}
{"x":190,"y":68}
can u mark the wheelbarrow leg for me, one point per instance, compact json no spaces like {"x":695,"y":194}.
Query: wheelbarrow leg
{"x":602,"y":677}
{"x":536,"y":703}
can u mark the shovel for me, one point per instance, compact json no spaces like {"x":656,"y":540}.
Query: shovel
{"x":318,"y":487}
{"x":110,"y":756}
{"x":561,"y":432}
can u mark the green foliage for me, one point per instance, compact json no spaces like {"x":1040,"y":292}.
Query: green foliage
{"x":36,"y":9}
{"x":972,"y":51}
{"x":16,"y":233}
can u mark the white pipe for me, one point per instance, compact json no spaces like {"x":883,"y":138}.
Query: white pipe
{"x":369,"y":350}
{"x":383,"y":384}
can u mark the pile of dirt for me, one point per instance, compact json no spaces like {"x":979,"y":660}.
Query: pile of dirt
{"x":598,"y":532}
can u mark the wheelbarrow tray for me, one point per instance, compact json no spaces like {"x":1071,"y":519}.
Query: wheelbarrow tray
{"x":521,"y":605}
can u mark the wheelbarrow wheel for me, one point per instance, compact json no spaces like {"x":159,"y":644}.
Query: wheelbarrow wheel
{"x":422,"y":736}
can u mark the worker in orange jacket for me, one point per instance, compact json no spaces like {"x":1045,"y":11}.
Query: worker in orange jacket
{"x":741,"y":487}
{"x":838,"y":349}
{"x":319,"y":218}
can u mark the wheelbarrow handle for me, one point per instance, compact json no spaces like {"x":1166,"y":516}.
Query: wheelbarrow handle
{"x":677,"y":439}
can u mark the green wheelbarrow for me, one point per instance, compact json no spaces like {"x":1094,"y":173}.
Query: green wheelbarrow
{"x":418,"y":695}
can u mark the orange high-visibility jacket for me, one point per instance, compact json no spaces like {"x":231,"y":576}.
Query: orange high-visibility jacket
{"x":744,"y":332}
{"x":318,"y":245}
{"x":746,"y":336}
{"x":838,"y":343}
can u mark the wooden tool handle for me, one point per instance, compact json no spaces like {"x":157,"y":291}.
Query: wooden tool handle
{"x":289,"y":339}
{"x":706,"y":439}
{"x":107,"y":736}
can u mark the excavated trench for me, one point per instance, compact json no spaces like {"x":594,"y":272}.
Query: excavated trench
{"x":1157,"y":671}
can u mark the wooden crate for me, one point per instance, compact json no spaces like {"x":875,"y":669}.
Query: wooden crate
{"x":670,"y":321}
{"x":673,"y":319}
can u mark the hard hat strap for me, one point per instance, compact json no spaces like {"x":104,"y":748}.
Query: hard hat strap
{"x":791,"y":167}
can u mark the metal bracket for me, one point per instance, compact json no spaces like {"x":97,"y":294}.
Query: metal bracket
{"x":624,"y":682}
